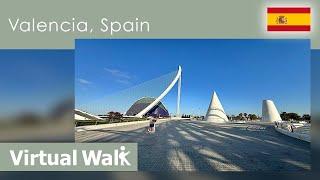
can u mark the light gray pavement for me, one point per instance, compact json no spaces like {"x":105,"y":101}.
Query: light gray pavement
{"x":201,"y":146}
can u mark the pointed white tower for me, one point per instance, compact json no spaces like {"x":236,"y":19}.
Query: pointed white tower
{"x":270,"y":112}
{"x":215,"y":111}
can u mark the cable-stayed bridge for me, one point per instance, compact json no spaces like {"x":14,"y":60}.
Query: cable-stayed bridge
{"x":121,"y":101}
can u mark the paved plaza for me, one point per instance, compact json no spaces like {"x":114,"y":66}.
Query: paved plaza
{"x":187,"y":145}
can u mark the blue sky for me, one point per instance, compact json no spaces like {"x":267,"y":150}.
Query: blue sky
{"x":242,"y":72}
{"x":34,"y":80}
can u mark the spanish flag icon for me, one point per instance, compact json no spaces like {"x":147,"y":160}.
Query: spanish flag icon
{"x":289,"y":19}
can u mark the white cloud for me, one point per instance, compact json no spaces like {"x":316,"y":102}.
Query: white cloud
{"x":83,"y":81}
{"x":119,"y":76}
{"x":117,"y":73}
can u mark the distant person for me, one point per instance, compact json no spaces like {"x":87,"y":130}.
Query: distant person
{"x":152,"y":125}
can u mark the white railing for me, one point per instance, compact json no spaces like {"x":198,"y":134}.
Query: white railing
{"x":297,"y":130}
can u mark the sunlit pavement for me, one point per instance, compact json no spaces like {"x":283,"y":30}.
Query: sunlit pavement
{"x":201,"y":146}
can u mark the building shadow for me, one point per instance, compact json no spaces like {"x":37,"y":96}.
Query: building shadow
{"x":182,"y":145}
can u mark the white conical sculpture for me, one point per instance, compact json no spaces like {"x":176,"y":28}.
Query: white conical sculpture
{"x":270,"y":112}
{"x":215,"y":111}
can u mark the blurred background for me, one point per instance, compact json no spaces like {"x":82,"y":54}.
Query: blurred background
{"x":36,"y":95}
{"x":315,"y":110}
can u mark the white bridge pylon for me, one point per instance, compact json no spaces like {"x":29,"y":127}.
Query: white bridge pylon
{"x":164,"y":93}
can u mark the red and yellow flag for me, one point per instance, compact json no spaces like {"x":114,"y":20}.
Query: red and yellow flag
{"x":289,"y":19}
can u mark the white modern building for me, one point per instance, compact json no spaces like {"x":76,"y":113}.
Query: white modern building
{"x":215,"y":111}
{"x":82,"y":116}
{"x":269,"y":112}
